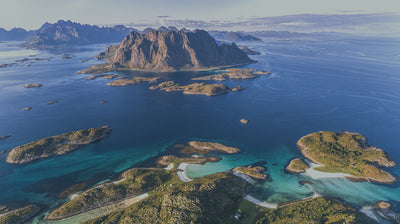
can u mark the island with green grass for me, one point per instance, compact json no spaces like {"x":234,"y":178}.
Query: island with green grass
{"x":133,"y":182}
{"x":193,"y":89}
{"x":200,"y":147}
{"x":210,"y":199}
{"x":345,"y":152}
{"x":20,"y":215}
{"x":56,"y":145}
{"x":315,"y":210}
{"x":234,"y":74}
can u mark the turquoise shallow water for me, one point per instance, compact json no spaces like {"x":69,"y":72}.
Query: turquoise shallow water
{"x":316,"y":84}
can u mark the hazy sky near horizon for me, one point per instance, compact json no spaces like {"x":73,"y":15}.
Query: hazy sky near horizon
{"x":31,"y":14}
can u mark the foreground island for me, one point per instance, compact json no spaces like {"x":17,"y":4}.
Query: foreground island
{"x":56,"y":145}
{"x":20,"y":215}
{"x":349,"y":153}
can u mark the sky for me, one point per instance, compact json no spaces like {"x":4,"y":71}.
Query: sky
{"x":31,"y":14}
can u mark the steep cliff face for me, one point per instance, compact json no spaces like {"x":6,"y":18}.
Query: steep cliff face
{"x":70,"y":33}
{"x":172,"y":50}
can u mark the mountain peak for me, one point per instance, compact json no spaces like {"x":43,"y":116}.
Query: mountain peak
{"x":170,"y":51}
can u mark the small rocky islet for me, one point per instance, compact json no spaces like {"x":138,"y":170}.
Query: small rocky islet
{"x":56,"y":145}
{"x":255,"y":172}
{"x":297,"y":166}
{"x":33,"y":85}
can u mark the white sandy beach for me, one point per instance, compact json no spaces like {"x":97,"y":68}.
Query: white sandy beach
{"x":260,"y":203}
{"x":182,"y":172}
{"x":315,"y":174}
{"x":370,"y":212}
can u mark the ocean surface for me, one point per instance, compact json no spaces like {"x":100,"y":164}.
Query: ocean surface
{"x":330,"y":83}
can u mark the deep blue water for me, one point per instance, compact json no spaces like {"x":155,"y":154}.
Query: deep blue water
{"x":331,"y":84}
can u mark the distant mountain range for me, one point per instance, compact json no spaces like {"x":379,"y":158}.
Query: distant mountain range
{"x":169,"y":50}
{"x":15,"y":34}
{"x":70,"y":33}
{"x":232,"y":36}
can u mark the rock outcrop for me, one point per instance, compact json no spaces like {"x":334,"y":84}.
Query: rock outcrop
{"x":56,"y":145}
{"x":244,"y":121}
{"x":169,"y":51}
{"x":297,"y":166}
{"x":32,"y":85}
{"x":255,"y":172}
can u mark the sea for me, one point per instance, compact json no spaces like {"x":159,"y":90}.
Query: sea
{"x":327,"y":82}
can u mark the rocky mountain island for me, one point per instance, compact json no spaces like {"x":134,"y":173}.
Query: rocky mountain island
{"x":65,"y":33}
{"x":170,"y":50}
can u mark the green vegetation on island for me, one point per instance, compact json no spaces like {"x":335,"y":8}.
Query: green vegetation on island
{"x":132,"y":81}
{"x":19,"y":215}
{"x":316,"y":210}
{"x":134,"y":182}
{"x":193,"y":89}
{"x":344,"y":152}
{"x":56,"y":145}
{"x":205,"y":147}
{"x":210,"y":199}
{"x":297,"y":166}
{"x":234,"y":73}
